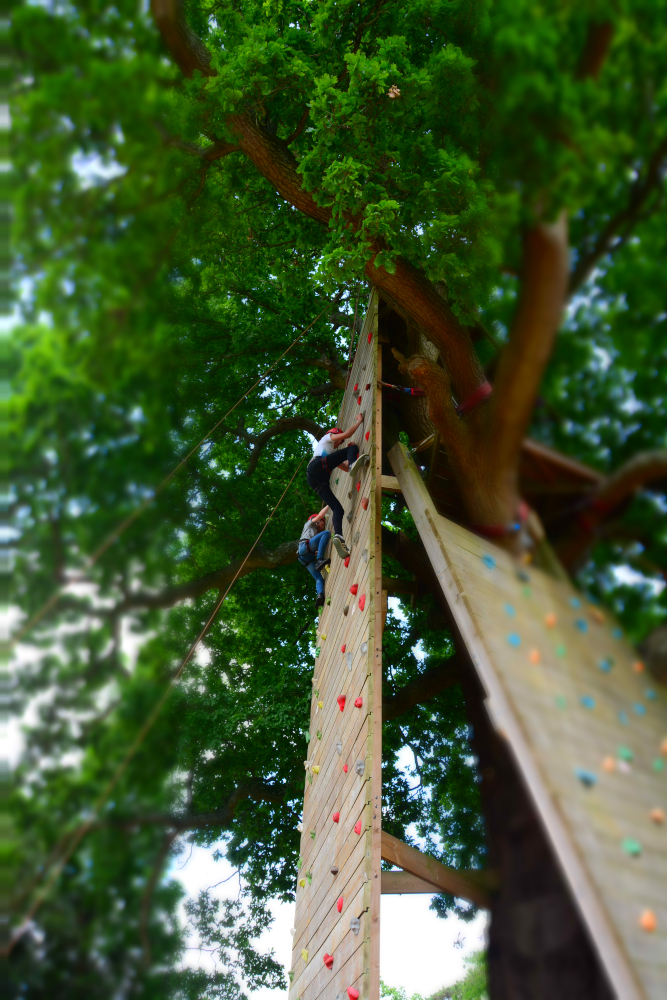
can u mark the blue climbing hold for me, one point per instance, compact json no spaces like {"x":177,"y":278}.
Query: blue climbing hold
{"x":617,"y":633}
{"x":510,"y":610}
{"x":606,"y":664}
{"x":514,"y":639}
{"x":575,"y":603}
{"x":587,"y":778}
{"x":650,"y":694}
{"x":639,"y":708}
{"x":623,"y":718}
{"x":587,"y":701}
{"x":582,"y":625}
{"x":489,"y":561}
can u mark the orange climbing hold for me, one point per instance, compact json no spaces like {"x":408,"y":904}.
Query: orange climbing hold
{"x":341,"y":702}
{"x":638,"y":667}
{"x":339,"y":905}
{"x":648,"y":922}
{"x":664,"y":747}
{"x":658,"y":816}
{"x":534,"y":656}
{"x":357,"y":827}
{"x":336,"y":817}
{"x":358,"y":702}
{"x":328,"y":961}
{"x":550,"y":620}
{"x":609,"y":765}
{"x":354,"y":588}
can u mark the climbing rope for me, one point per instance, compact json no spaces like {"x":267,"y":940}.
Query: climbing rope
{"x":131,"y":518}
{"x":80,"y":832}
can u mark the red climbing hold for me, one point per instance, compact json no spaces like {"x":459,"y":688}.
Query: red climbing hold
{"x":341,"y":701}
{"x":357,"y":828}
{"x":358,"y":486}
{"x":359,"y":400}
{"x":345,"y":768}
{"x":328,"y":961}
{"x":367,"y":435}
{"x":351,"y":992}
{"x":347,"y":561}
{"x":353,"y":589}
{"x":368,"y":386}
{"x":356,"y":386}
{"x":339,"y":905}
{"x":336,"y":817}
{"x":343,"y":647}
{"x":358,"y":702}
{"x":362,"y":602}
{"x":364,"y":503}
{"x":370,"y":337}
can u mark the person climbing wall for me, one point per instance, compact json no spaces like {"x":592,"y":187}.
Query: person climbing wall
{"x":312,"y":550}
{"x":327,"y":457}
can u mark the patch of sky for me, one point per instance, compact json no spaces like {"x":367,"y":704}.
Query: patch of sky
{"x":93,"y":170}
{"x":633,"y":578}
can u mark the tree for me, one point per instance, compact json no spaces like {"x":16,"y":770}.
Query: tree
{"x":193,"y":189}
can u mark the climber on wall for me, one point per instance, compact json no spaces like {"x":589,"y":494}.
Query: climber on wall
{"x":313,"y":548}
{"x":327,"y":457}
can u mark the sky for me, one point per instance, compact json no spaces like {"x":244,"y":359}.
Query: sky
{"x":407,"y":929}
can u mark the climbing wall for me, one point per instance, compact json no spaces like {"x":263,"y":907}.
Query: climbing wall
{"x":338,"y":887}
{"x":586,"y":725}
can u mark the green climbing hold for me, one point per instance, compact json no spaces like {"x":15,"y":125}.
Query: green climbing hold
{"x":309,"y":878}
{"x":632,"y":847}
{"x":328,"y":600}
{"x":319,"y":735}
{"x":316,"y":695}
{"x":561,"y":701}
{"x":658,"y":764}
{"x":291,"y":976}
{"x":312,"y":835}
{"x":317,"y":651}
{"x":625,"y":753}
{"x":526,"y":591}
{"x":310,"y":778}
{"x":561,"y":650}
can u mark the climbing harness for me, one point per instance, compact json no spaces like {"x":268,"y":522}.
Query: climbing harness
{"x":474,"y":399}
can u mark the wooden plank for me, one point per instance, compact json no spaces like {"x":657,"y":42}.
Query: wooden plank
{"x":431,"y":870}
{"x":379,"y":617}
{"x":554,"y":736}
{"x":395,"y":586}
{"x":389,"y":484}
{"x":395,"y":883}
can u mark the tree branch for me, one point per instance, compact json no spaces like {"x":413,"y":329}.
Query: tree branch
{"x":283,"y":425}
{"x":534,"y":330}
{"x":148,"y":896}
{"x":623,"y":222}
{"x":188,"y":50}
{"x":429,"y":684}
{"x":596,"y":49}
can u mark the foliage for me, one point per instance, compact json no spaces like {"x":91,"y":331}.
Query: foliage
{"x":155,"y":287}
{"x":472,"y":987}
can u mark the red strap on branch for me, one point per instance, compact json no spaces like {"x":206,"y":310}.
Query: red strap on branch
{"x":474,"y":399}
{"x":500,"y":530}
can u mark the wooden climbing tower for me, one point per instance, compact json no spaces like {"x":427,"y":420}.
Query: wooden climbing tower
{"x":563,"y":687}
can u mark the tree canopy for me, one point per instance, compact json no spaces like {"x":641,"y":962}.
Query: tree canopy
{"x":193,"y":187}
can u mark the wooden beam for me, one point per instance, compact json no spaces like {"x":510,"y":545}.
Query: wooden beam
{"x":397,"y":883}
{"x":389,"y":484}
{"x":464,"y":885}
{"x":395,"y":586}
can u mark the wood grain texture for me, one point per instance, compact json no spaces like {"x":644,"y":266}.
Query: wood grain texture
{"x":446,"y":879}
{"x":585,"y":728}
{"x":345,"y":665}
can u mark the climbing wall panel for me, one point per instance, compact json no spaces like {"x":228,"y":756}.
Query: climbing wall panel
{"x":338,"y":887}
{"x":586,"y":726}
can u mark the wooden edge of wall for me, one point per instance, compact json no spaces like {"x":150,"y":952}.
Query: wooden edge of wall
{"x":603,"y":934}
{"x":378,"y":627}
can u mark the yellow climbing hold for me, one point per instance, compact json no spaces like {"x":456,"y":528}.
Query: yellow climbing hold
{"x":324,"y":635}
{"x":302,"y":883}
{"x":320,"y":704}
{"x":315,"y":769}
{"x":304,"y":954}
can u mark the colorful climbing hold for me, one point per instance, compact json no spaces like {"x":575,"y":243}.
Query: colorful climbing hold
{"x":609,"y":765}
{"x":317,"y":651}
{"x":302,"y":883}
{"x":561,"y":650}
{"x":368,"y":385}
{"x":312,"y":835}
{"x":364,"y":503}
{"x":575,"y":603}
{"x":370,"y":337}
{"x":315,"y":769}
{"x":328,"y":961}
{"x":319,"y":734}
{"x":489,"y":561}
{"x":343,"y":647}
{"x":625,"y":753}
{"x":606,"y":664}
{"x":639,"y":708}
{"x":623,"y":718}
{"x":617,"y":633}
{"x":587,"y":701}
{"x":357,"y":827}
{"x":587,"y":778}
{"x":534,"y":656}
{"x":336,"y":817}
{"x":663,"y":747}
{"x":358,"y":702}
{"x":354,"y":588}
{"x":514,"y":639}
{"x":328,"y":600}
{"x":561,"y":701}
{"x":324,"y":635}
{"x":658,"y":764}
{"x":339,"y":904}
{"x":510,"y":610}
{"x":358,"y":400}
{"x":304,"y":954}
{"x":631,"y":847}
{"x":658,"y":816}
{"x":526,"y":591}
{"x":341,"y":702}
{"x":345,"y":768}
{"x":624,"y":767}
{"x":648,"y":921}
{"x":362,"y":602}
{"x":320,"y":704}
{"x":582,"y":625}
{"x":358,"y":485}
{"x":367,"y":435}
{"x":351,"y":992}
{"x":356,"y":386}
{"x":638,"y":667}
{"x":550,"y":620}
{"x":650,"y":694}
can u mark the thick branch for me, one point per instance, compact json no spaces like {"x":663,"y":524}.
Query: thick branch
{"x":186,"y":47}
{"x":284,"y":555}
{"x":593,"y":58}
{"x":620,"y":226}
{"x":534,"y":330}
{"x":283,"y":425}
{"x":429,"y":684}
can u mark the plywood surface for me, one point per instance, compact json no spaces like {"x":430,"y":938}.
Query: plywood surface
{"x":345,"y":666}
{"x":587,"y":727}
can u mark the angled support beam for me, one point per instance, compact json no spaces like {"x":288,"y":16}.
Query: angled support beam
{"x":475,"y":886}
{"x":389,"y":484}
{"x":395,"y":586}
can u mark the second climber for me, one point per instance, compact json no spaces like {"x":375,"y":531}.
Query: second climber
{"x":328,"y":455}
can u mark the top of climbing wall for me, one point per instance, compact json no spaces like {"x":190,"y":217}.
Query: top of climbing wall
{"x":338,"y":883}
{"x":586,"y":725}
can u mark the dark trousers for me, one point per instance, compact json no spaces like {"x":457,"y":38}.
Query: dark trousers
{"x":317,"y":476}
